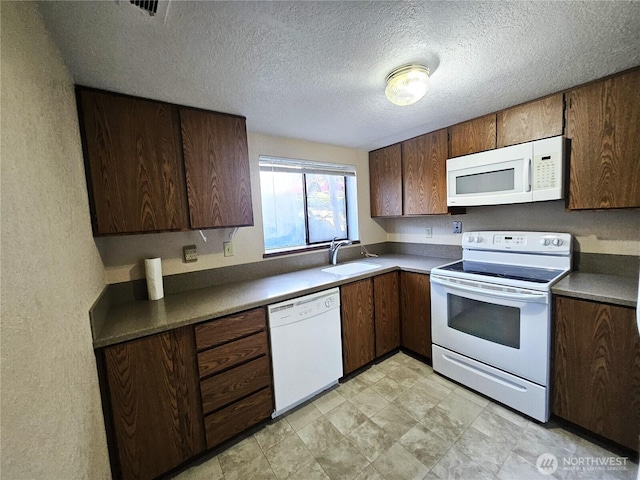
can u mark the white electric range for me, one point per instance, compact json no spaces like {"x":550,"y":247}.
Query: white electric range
{"x":491,"y":315}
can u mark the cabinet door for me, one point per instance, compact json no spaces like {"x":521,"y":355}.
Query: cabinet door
{"x":385,"y":179}
{"x":216,"y":163}
{"x":153,"y":390}
{"x":358,"y":342}
{"x":531,"y":121}
{"x":476,"y":135}
{"x":596,"y":368}
{"x":416,"y":312}
{"x":386,"y":292}
{"x":424,"y":173}
{"x":136,"y":181}
{"x":602,"y":123}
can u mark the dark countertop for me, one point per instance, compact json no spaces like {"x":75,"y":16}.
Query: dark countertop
{"x":140,"y":318}
{"x":137,"y":319}
{"x":614,"y":289}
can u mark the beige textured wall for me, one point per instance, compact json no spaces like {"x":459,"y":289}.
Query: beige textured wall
{"x":609,"y":232}
{"x":603,"y":231}
{"x":124,"y":256}
{"x":51,"y":422}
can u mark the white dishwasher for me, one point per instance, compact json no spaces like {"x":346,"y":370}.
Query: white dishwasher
{"x":306,"y":347}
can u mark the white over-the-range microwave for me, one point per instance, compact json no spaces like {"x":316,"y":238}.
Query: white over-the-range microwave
{"x":529,"y":172}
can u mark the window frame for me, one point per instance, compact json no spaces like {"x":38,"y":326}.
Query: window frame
{"x":307,"y":167}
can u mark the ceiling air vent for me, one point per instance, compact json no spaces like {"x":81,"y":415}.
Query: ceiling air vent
{"x":155,"y":8}
{"x":150,"y":6}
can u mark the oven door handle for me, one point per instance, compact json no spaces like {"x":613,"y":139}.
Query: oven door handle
{"x":524,"y":297}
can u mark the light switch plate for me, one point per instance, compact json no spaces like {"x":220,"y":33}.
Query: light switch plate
{"x":457,"y":227}
{"x":228,"y":249}
{"x":190,"y":253}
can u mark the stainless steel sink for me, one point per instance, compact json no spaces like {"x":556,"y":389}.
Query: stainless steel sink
{"x":351,"y":268}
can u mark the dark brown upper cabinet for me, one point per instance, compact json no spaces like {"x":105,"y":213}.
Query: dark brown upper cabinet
{"x":385,"y":179}
{"x":137,"y":152}
{"x":602,"y":124}
{"x":216,"y":168}
{"x":410,"y":178}
{"x":424,"y":174}
{"x":530,"y":121}
{"x":132,"y":150}
{"x":473,"y":136}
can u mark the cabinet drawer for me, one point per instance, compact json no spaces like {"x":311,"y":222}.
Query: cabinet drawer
{"x":223,"y":330}
{"x":229,"y":421}
{"x":220,"y":390}
{"x":230,"y":354}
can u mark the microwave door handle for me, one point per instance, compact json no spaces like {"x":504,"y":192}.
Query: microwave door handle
{"x":527,"y":175}
{"x":523,"y":297}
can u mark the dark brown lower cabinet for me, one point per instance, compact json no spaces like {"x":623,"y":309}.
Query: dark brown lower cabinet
{"x":237,"y":417}
{"x":153,"y":393}
{"x":596,"y":368}
{"x":235,"y":374}
{"x":386,"y":294}
{"x":172,"y":395}
{"x":370,"y":319}
{"x":415,"y":301}
{"x":358,"y":334}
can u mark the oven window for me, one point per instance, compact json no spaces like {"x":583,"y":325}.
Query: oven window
{"x":496,"y":181}
{"x":495,"y":323}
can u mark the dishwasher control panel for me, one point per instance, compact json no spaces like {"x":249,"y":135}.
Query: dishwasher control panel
{"x":303,"y":307}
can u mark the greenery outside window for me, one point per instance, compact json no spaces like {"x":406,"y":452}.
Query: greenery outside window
{"x":306,"y":204}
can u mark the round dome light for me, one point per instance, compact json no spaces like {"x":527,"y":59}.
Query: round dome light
{"x":407,"y":84}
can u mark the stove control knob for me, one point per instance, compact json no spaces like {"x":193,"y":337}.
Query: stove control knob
{"x":471,"y":239}
{"x":544,"y":241}
{"x":557,"y":242}
{"x":479,"y":239}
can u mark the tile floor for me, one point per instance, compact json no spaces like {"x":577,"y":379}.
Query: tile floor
{"x":399,"y":420}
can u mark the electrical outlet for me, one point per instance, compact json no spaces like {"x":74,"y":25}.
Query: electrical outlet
{"x":428,"y":232}
{"x":228,"y":249}
{"x":457,"y":227}
{"x":190,"y":253}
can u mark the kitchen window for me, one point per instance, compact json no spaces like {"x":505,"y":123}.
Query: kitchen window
{"x":306,"y":204}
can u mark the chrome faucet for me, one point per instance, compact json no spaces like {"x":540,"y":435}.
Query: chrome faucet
{"x":333,"y":249}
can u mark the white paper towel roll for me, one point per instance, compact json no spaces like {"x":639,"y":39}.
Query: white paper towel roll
{"x":153,"y":269}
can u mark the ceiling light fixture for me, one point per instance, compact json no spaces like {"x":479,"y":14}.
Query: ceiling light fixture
{"x":407,"y":84}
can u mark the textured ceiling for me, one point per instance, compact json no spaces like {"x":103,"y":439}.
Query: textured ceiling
{"x":316,"y":70}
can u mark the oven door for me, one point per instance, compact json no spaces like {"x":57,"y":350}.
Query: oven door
{"x":505,"y":327}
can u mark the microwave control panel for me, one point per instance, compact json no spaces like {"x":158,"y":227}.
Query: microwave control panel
{"x":547,"y":171}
